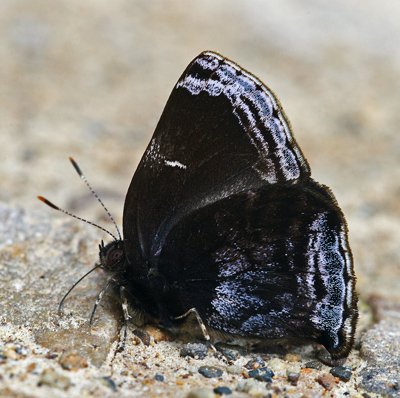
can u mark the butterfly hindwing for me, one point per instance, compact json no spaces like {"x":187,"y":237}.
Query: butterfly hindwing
{"x":272,"y":262}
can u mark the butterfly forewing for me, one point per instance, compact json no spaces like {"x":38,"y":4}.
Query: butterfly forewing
{"x":221,"y":132}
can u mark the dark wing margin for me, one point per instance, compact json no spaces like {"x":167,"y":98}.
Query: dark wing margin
{"x":222,"y":131}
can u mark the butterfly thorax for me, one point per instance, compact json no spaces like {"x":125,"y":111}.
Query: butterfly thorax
{"x":146,"y":293}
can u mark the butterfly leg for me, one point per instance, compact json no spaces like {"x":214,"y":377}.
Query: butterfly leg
{"x":199,"y":320}
{"x":124,"y":302}
{"x":98,"y":300}
{"x":203,"y":329}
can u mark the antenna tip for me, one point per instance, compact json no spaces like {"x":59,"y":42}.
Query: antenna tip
{"x":76,"y":167}
{"x":48,"y":203}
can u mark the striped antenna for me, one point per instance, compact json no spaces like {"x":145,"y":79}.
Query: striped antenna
{"x":53,"y":206}
{"x":78,"y":170}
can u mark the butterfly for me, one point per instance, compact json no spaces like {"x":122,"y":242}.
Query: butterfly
{"x":222,"y":221}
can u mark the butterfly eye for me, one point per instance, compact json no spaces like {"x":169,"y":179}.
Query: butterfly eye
{"x":113,"y":256}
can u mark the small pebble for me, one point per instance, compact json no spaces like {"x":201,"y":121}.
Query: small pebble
{"x":326,"y":380}
{"x":52,"y":355}
{"x":192,"y":369}
{"x":252,"y":388}
{"x":31,"y":368}
{"x":292,"y":357}
{"x":194,"y":350}
{"x":293,"y":377}
{"x":201,"y":393}
{"x":210,"y":371}
{"x":109,"y":383}
{"x":342,"y":372}
{"x":326,"y":358}
{"x":229,"y":354}
{"x":314,"y":365}
{"x":71,"y":360}
{"x":158,"y":377}
{"x":246,"y":385}
{"x":22,"y":351}
{"x":222,"y":390}
{"x":159,"y":334}
{"x":262,"y":374}
{"x":143,"y":335}
{"x":278,"y":365}
{"x":50,"y":378}
{"x":295,"y":368}
{"x":255,"y":363}
{"x":10,"y":353}
{"x":233,"y":370}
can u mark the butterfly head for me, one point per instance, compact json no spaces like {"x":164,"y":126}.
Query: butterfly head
{"x":112,"y":257}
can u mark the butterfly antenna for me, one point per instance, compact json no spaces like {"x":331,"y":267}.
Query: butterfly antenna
{"x":53,"y":206}
{"x":72,"y":287}
{"x":78,"y":170}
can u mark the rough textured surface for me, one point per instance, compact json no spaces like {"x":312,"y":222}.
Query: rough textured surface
{"x":380,"y":347}
{"x":39,"y":262}
{"x":89,"y":80}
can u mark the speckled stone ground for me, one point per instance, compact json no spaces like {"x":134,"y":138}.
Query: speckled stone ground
{"x":89,"y":80}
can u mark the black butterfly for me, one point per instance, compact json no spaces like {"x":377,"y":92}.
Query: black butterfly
{"x":222,"y":219}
